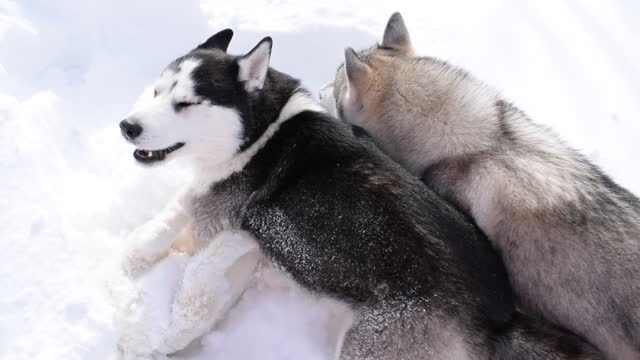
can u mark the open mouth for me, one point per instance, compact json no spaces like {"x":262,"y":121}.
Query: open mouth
{"x":151,"y":156}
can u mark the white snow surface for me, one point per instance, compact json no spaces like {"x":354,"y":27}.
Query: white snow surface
{"x":69,"y":188}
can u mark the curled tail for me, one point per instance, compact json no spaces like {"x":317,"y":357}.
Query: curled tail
{"x":527,"y":338}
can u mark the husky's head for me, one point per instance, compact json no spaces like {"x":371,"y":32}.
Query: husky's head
{"x":418,"y":109}
{"x":359,"y":82}
{"x":197,"y":106}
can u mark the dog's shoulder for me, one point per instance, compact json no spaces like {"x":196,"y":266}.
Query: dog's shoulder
{"x":313,"y":140}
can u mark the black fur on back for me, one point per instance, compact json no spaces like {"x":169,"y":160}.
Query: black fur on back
{"x":368,"y":224}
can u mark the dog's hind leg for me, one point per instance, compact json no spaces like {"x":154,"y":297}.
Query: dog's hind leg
{"x":213,"y":281}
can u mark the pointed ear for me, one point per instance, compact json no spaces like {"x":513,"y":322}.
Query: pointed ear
{"x":396,"y":35}
{"x":253,"y":67}
{"x":357,"y":71}
{"x":218,"y":41}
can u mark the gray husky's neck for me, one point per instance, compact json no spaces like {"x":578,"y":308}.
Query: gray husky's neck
{"x":442,"y":115}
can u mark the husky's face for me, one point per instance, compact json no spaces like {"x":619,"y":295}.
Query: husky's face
{"x":195,"y":108}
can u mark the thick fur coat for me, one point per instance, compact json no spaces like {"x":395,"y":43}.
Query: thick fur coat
{"x":568,"y":234}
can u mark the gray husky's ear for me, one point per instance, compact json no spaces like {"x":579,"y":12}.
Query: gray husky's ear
{"x":218,"y":41}
{"x":396,"y":35}
{"x":358,"y":73}
{"x":253,"y":67}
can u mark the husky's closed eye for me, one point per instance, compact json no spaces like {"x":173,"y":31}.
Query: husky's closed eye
{"x":184,"y":104}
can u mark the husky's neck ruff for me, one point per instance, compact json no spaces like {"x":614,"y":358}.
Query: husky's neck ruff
{"x":209,"y":174}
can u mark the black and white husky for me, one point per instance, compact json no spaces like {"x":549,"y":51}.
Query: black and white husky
{"x":331,"y":210}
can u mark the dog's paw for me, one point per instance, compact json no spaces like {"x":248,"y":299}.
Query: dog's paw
{"x":144,"y":248}
{"x":135,"y":263}
{"x":138,"y":260}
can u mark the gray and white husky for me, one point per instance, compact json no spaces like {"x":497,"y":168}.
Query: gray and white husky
{"x":326,"y":206}
{"x":568,"y":234}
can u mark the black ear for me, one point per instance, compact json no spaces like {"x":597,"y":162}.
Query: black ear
{"x":218,"y":41}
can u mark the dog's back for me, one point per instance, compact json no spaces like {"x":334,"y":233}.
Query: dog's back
{"x":425,"y":281}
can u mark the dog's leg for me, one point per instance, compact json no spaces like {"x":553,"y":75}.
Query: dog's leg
{"x":145,"y":306}
{"x":213,"y":281}
{"x":184,"y":242}
{"x":148,"y":243}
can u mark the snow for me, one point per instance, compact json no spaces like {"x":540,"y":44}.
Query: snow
{"x":70,"y":192}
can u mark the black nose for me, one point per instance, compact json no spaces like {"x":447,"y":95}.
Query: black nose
{"x":129,"y":130}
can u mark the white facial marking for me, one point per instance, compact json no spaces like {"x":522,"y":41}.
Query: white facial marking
{"x":208,"y":131}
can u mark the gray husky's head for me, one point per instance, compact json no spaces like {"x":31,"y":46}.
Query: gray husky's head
{"x":418,"y":109}
{"x":359,"y":84}
{"x":200,"y":107}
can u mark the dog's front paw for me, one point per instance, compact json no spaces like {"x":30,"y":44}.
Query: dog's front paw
{"x":146,"y":247}
{"x":135,"y":263}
